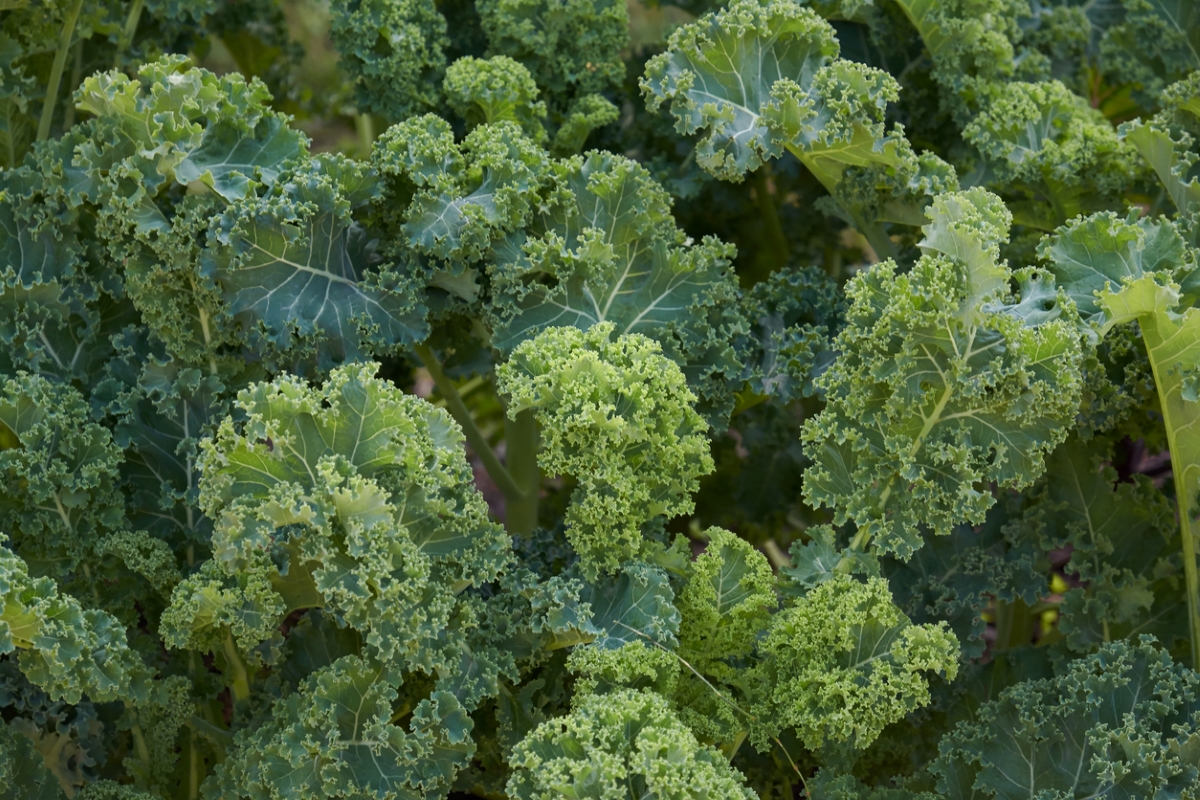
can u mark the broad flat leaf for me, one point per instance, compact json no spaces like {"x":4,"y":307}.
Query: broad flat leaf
{"x":1102,"y":252}
{"x":636,"y":606}
{"x":301,"y":273}
{"x":232,"y":162}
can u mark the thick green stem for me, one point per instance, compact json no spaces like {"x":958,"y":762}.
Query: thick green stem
{"x":56,"y":71}
{"x":131,"y":24}
{"x":139,"y":739}
{"x":1179,"y":419}
{"x":1014,"y":624}
{"x":768,"y":209}
{"x":76,"y":77}
{"x":520,"y":454}
{"x":729,"y":749}
{"x":238,"y":674}
{"x":365,"y":126}
{"x":511,"y":490}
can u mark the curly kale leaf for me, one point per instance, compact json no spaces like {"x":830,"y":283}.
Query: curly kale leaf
{"x":793,"y":316}
{"x":941,"y":386}
{"x":571,"y":47}
{"x":958,"y":578}
{"x":1118,"y":723}
{"x":604,"y":248}
{"x":756,"y":79}
{"x":1129,"y":268}
{"x":1046,"y":143}
{"x":1168,"y":143}
{"x":66,"y":650}
{"x":302,"y":274}
{"x":844,"y":662}
{"x":356,"y":498}
{"x":1155,"y":44}
{"x":585,"y":115}
{"x":458,"y":199}
{"x":617,"y":416}
{"x":339,"y":736}
{"x":23,"y":769}
{"x":171,"y":127}
{"x":620,"y":746}
{"x":726,"y":602}
{"x":395,"y":52}
{"x":497,"y":89}
{"x":60,"y":483}
{"x":162,"y":411}
{"x":1124,"y":546}
{"x":1103,"y":251}
{"x":636,"y":606}
{"x":50,"y":299}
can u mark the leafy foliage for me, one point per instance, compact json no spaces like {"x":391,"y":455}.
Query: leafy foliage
{"x":576,"y":398}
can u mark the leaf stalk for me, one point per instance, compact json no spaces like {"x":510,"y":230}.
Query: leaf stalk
{"x":56,"y":71}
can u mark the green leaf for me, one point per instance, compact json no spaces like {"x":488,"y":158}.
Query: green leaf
{"x":571,"y":47}
{"x":66,"y":650}
{"x":302,"y":274}
{"x":1102,"y":252}
{"x":393,"y":51}
{"x":232,"y":163}
{"x":843,"y":662}
{"x":636,"y":607}
{"x":957,"y":578}
{"x":728,"y":597}
{"x":59,"y":489}
{"x":466,"y":196}
{"x":1048,"y":143}
{"x":605,"y":249}
{"x":1167,"y":141}
{"x":343,"y":717}
{"x":793,"y":316}
{"x":761,"y":78}
{"x":497,"y":89}
{"x":364,"y":487}
{"x":940,"y":388}
{"x":1104,"y":728}
{"x":620,"y":746}
{"x":618,"y":417}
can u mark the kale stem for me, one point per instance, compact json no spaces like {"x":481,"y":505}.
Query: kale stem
{"x":365,"y":126}
{"x":520,"y":454}
{"x":511,"y":490}
{"x":1014,"y":624}
{"x":131,"y":23}
{"x":56,"y":71}
{"x":239,"y":675}
{"x":776,"y":242}
{"x":1178,"y":417}
{"x":76,"y":76}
